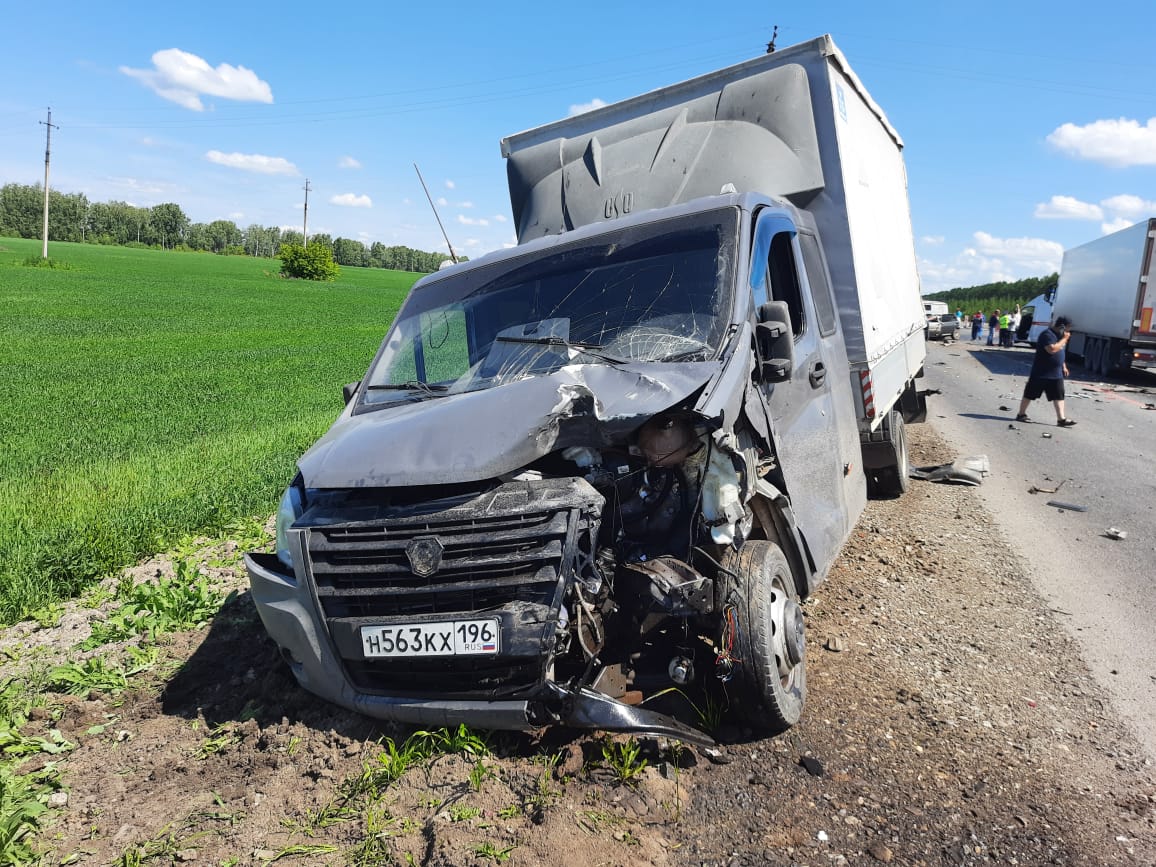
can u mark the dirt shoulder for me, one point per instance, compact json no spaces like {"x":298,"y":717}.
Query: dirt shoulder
{"x":949,"y":721}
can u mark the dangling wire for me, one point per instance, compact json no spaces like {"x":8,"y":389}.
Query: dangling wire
{"x":725,"y":660}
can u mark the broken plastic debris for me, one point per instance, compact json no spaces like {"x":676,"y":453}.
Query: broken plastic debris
{"x":1113,"y":533}
{"x":1034,"y":490}
{"x":716,"y":757}
{"x":1071,"y":507}
{"x":968,"y":471}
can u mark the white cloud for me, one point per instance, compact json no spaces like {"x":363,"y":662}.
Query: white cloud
{"x":465,"y":204}
{"x":471,"y":221}
{"x":991,"y":260}
{"x":350,"y":200}
{"x":237,"y":215}
{"x":1116,"y":225}
{"x":442,"y":201}
{"x":348,"y":163}
{"x":1128,"y":206}
{"x":1119,"y":143}
{"x":1037,"y":254}
{"x":181,"y":77}
{"x":1068,"y":208}
{"x":499,"y":218}
{"x":933,"y":240}
{"x":258,"y":163}
{"x":450,"y":184}
{"x":586,"y":106}
{"x":144,"y":187}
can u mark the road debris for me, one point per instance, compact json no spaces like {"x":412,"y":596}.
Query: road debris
{"x":811,"y":765}
{"x":967,"y":471}
{"x":1113,"y":533}
{"x":1037,"y":490}
{"x":1071,"y":507}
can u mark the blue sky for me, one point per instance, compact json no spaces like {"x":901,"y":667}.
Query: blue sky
{"x":1029,"y":127}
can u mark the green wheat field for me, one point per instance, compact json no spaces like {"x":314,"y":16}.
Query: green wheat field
{"x":148,"y":395}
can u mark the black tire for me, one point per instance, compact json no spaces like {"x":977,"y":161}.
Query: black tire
{"x":1108,"y":359}
{"x":763,"y":631}
{"x":1091,"y":354}
{"x":892,"y":481}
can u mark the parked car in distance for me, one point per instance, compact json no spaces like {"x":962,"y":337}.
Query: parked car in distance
{"x":942,"y":326}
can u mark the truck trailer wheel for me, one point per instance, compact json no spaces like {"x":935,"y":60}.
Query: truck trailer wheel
{"x":892,"y":480}
{"x":763,"y":636}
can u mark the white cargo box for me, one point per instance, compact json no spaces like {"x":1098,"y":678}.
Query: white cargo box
{"x":796,"y":124}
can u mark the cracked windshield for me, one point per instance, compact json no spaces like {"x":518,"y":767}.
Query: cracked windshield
{"x":651,"y":296}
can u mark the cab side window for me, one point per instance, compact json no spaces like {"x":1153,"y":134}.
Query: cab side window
{"x":783,"y":275}
{"x":774,"y":270}
{"x":820,"y":288}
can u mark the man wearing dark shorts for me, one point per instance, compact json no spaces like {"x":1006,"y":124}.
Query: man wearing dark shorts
{"x":1048,"y":371}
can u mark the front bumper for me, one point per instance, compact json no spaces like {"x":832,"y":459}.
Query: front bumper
{"x":288,"y":618}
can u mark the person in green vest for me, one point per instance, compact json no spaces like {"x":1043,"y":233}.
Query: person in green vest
{"x":1004,"y":329}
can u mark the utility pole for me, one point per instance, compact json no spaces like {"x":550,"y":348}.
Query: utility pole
{"x":305,"y":222}
{"x":49,"y":126}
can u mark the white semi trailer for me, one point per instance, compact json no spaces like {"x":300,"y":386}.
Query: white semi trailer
{"x":1108,"y":289}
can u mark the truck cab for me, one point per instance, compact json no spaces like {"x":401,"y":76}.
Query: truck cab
{"x":590,"y":473}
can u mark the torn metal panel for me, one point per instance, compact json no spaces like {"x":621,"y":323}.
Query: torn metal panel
{"x":473,"y":436}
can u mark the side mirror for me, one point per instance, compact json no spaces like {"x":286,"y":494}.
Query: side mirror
{"x":349,"y":390}
{"x":775,"y":342}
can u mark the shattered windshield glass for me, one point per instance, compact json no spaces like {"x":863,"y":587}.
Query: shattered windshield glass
{"x":655,"y":293}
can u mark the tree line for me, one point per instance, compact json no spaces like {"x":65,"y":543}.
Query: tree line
{"x":72,"y":217}
{"x":992,"y":296}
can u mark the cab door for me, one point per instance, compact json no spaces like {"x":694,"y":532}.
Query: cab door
{"x":804,"y":410}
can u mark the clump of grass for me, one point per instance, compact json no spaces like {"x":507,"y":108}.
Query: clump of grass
{"x":43,"y":262}
{"x":185,"y":601}
{"x":497,"y":854}
{"x":23,"y":797}
{"x":624,"y":759}
{"x":98,"y":673}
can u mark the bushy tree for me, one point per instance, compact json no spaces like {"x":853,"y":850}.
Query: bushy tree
{"x":314,"y":262}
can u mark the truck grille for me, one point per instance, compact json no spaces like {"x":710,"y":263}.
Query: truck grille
{"x":364,"y":571}
{"x":503,"y":553}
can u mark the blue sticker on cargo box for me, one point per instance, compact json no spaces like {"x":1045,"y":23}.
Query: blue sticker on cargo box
{"x":842,"y":102}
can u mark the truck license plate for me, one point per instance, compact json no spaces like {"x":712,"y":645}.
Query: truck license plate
{"x":437,"y":638}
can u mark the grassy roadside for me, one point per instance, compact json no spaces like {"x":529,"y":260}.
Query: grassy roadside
{"x":150,"y":395}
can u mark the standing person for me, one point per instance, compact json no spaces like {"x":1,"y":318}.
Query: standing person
{"x":1017,"y":317}
{"x":1004,"y":329}
{"x":976,"y":324}
{"x":1048,"y":371}
{"x":993,"y":327}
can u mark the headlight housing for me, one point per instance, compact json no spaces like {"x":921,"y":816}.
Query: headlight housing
{"x":288,"y":511}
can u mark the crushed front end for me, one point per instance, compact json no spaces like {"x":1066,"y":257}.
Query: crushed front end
{"x":524,"y":515}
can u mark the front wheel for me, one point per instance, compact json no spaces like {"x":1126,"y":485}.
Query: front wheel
{"x":763,"y":636}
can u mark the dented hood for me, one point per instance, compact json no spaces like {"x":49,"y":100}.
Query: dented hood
{"x":477,"y":435}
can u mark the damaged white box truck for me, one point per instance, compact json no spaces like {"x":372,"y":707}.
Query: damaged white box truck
{"x":587,"y":475}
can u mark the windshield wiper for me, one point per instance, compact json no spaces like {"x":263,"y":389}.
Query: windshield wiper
{"x":410,"y":385}
{"x":686,"y":355}
{"x":591,"y":349}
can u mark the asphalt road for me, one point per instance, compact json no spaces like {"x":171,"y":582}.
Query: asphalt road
{"x":1102,"y":589}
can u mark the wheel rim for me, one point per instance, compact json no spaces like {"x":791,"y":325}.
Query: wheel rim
{"x":789,"y":638}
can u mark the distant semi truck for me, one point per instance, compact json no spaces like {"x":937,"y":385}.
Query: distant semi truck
{"x":1106,"y":289}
